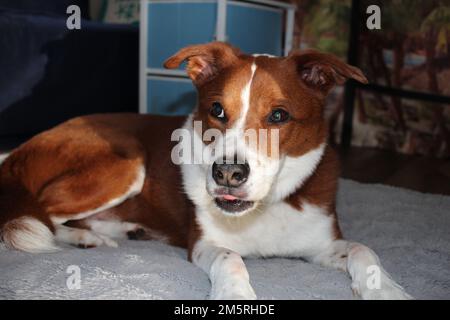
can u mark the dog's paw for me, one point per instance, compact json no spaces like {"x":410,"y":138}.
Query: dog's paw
{"x":137,"y":234}
{"x":233,"y":291}
{"x":88,"y":239}
{"x":388,"y":290}
{"x":83,"y":238}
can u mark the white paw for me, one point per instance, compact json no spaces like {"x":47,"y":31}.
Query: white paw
{"x":389,"y":290}
{"x":241,"y":290}
{"x":88,"y":239}
{"x":108,"y":241}
{"x":82,"y":238}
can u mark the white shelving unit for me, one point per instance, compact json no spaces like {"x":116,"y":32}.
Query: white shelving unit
{"x":256,"y":26}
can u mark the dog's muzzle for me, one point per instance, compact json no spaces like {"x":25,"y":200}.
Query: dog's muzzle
{"x":230,"y":177}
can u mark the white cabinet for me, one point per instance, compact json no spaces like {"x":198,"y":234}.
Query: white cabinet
{"x":256,"y":26}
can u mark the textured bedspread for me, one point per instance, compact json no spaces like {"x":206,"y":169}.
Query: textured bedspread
{"x":410,"y":232}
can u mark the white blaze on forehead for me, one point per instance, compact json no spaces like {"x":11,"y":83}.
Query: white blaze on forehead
{"x":264,"y":55}
{"x":245,"y":99}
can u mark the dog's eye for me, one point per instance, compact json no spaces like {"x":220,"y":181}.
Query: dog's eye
{"x":218,"y":112}
{"x":279,"y":116}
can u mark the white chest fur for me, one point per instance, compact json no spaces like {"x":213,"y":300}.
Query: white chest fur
{"x":278,"y":230}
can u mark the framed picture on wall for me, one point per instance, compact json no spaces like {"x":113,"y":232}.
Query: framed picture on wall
{"x":411,"y":51}
{"x":407,"y":62}
{"x":407,"y":102}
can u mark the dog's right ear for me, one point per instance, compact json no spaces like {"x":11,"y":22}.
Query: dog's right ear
{"x":204,"y":61}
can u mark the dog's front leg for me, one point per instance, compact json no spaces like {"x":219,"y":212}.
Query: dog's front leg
{"x":226,"y":270}
{"x":369,"y":279}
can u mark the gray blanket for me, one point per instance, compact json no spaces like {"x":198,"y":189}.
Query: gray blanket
{"x":410,"y":232}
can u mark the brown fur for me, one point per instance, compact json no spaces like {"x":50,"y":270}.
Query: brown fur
{"x":88,"y":161}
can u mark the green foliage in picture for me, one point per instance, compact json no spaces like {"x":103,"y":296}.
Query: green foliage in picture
{"x":326,"y":25}
{"x":120,"y":11}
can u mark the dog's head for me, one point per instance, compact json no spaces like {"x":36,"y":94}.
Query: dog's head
{"x":267,"y":112}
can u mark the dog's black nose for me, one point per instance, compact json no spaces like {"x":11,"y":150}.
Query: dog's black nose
{"x":230,"y":175}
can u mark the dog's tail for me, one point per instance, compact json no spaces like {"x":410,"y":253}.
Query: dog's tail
{"x":28,"y":234}
{"x":3,"y":157}
{"x":23,"y":226}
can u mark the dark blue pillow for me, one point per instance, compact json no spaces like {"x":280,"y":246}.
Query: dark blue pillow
{"x":57,"y":7}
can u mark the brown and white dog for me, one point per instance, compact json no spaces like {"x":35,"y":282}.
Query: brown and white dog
{"x":100,"y":177}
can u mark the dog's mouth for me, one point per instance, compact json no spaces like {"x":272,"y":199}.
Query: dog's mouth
{"x":233,"y":205}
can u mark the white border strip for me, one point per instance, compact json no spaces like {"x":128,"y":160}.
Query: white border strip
{"x":254,"y":5}
{"x":162,"y":78}
{"x":167,"y":72}
{"x":221,"y":26}
{"x":289,"y":31}
{"x":273,"y":3}
{"x":143,"y":49}
{"x":263,"y":2}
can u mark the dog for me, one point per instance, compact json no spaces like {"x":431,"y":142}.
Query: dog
{"x":96,"y":178}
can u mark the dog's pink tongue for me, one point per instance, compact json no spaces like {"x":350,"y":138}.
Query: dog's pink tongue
{"x":229,"y":197}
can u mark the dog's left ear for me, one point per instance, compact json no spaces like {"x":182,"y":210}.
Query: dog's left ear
{"x":204,"y":61}
{"x":322,"y":71}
